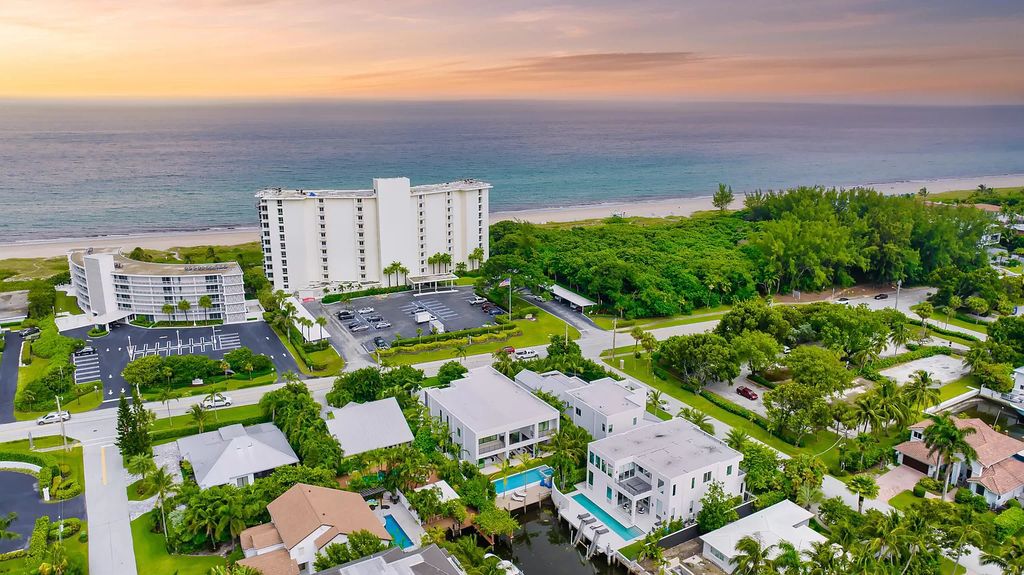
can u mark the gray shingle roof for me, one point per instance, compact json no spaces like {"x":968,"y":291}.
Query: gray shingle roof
{"x":362,"y":427}
{"x":220,"y":456}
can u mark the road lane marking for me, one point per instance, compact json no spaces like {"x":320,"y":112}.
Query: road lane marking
{"x":103,"y":464}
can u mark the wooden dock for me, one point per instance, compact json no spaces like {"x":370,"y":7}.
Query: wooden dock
{"x":534,"y":495}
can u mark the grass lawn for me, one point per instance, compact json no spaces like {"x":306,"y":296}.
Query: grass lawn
{"x":330,"y":358}
{"x":134,"y":493}
{"x":77,"y":553}
{"x":951,"y":338}
{"x":536,"y":332}
{"x":955,"y":388}
{"x":222,"y":386}
{"x":659,"y":413}
{"x":708,"y":313}
{"x":151,"y":555}
{"x":73,"y":457}
{"x":903,"y":500}
{"x":981,"y":328}
{"x":67,"y":303}
{"x":960,"y":194}
{"x":223,"y":414}
{"x":466,"y":281}
{"x":34,"y":268}
{"x":86,"y":402}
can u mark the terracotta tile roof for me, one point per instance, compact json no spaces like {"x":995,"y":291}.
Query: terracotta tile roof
{"x":260,"y":536}
{"x":304,"y":508}
{"x":1003,"y":477}
{"x":991,"y":446}
{"x":274,"y":563}
{"x":918,"y":451}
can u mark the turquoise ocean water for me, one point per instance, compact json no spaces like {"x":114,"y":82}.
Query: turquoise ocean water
{"x":70,"y":170}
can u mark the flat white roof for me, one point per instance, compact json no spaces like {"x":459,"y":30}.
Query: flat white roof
{"x":553,"y":382}
{"x":485,"y":399}
{"x":362,"y":427}
{"x":606,"y":397}
{"x":455,"y":186}
{"x":673,"y":448}
{"x":570,"y":296}
{"x":446,"y":491}
{"x":770,"y":525}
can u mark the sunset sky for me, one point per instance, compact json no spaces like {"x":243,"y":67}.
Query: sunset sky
{"x":900,"y":51}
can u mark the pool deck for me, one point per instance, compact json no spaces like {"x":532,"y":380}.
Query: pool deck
{"x":534,"y":495}
{"x":610,"y":541}
{"x":405,"y":520}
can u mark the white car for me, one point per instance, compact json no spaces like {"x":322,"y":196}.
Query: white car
{"x":53,"y":417}
{"x":216,"y":401}
{"x":383,"y":325}
{"x":477,"y":299}
{"x":526,"y":354}
{"x":365,"y":310}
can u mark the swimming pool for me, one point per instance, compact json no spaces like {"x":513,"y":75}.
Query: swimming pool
{"x":601,"y":515}
{"x":522,"y":479}
{"x":398,"y":535}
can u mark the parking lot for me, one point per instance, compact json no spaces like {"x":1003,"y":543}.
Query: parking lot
{"x":125,"y":343}
{"x":452,"y":309}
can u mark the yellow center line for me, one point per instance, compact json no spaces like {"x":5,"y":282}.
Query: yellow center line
{"x":103,"y":464}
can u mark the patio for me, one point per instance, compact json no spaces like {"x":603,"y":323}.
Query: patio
{"x":897,"y":480}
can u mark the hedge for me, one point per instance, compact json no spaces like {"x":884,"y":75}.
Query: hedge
{"x":448,"y":335}
{"x":97,"y":332}
{"x":944,"y":331}
{"x":37,"y":544}
{"x":334,"y":297}
{"x":417,"y":348}
{"x":45,"y":478}
{"x":177,"y":432}
{"x":872,"y":370}
{"x":16,"y":554}
{"x":24,"y":458}
{"x":71,"y":525}
{"x":743,"y":412}
{"x":1009,"y":523}
{"x":763,"y":381}
{"x":26,"y":353}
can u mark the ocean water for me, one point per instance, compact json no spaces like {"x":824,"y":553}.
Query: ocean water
{"x":70,"y":170}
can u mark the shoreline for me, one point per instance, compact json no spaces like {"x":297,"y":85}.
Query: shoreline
{"x":163,"y":240}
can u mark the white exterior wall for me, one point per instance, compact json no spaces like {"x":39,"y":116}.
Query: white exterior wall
{"x":726,"y":564}
{"x":676,"y":497}
{"x":390,"y":223}
{"x":600,"y":425}
{"x":304,"y":553}
{"x":102,"y":288}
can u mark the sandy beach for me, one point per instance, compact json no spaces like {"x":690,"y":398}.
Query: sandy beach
{"x":652,"y":208}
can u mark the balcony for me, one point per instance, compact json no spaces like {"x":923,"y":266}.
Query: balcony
{"x":490,"y":446}
{"x":635,"y":486}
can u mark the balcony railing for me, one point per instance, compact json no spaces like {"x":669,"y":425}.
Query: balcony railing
{"x":635,"y":485}
{"x":490,"y":446}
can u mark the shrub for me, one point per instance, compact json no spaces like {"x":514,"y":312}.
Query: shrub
{"x":762,"y":381}
{"x":919,"y":490}
{"x":1009,"y":523}
{"x":97,"y":332}
{"x":83,"y":537}
{"x":26,"y":353}
{"x":919,"y":353}
{"x":331,"y":298}
{"x":45,"y":478}
{"x":768,"y":499}
{"x":37,"y":543}
{"x":930,"y":484}
{"x":977,"y":502}
{"x":660,"y":373}
{"x":1013,"y":503}
{"x":16,"y":554}
{"x":944,"y":331}
{"x":71,"y":525}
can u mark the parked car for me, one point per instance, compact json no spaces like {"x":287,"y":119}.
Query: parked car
{"x":486,"y":306}
{"x":28,"y":331}
{"x":508,"y":349}
{"x":116,"y":325}
{"x":216,"y":401}
{"x":360,"y":327}
{"x":527,"y":354}
{"x":374,"y":318}
{"x":85,"y":351}
{"x":537,"y":297}
{"x":53,"y":417}
{"x":496,"y":311}
{"x":477,"y":300}
{"x":353,"y":324}
{"x":382,"y":325}
{"x":345,"y":314}
{"x":746,"y":392}
{"x":882,"y":296}
{"x":843,"y":301}
{"x":365,"y":310}
{"x":381,"y":343}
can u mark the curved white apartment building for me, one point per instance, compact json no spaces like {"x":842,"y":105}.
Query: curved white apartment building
{"x":316,"y":238}
{"x":110,"y":287}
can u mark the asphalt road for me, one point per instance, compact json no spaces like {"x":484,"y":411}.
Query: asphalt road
{"x":18,"y":493}
{"x":9,"y":375}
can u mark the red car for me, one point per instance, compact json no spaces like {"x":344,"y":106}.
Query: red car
{"x":746,"y":392}
{"x":508,"y":349}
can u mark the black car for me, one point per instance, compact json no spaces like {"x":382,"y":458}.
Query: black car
{"x":354,"y":324}
{"x":882,"y":296}
{"x":345,"y":314}
{"x":85,"y":351}
{"x":28,"y":331}
{"x":380,"y":342}
{"x":496,"y":311}
{"x":374,"y":318}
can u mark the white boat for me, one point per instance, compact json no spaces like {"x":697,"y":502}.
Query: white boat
{"x":508,"y":566}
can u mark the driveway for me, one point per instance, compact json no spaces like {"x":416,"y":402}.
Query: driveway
{"x":897,"y":480}
{"x":726,"y":391}
{"x":121,"y":345}
{"x":19,"y":493}
{"x":9,"y":375}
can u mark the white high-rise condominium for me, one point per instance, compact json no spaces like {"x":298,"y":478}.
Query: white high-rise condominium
{"x":317,"y":238}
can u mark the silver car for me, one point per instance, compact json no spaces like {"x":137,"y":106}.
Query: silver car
{"x":365,"y":310}
{"x":53,"y":417}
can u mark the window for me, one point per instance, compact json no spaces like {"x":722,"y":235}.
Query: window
{"x":728,"y":470}
{"x":673,"y":489}
{"x":608,"y":493}
{"x":590,"y":457}
{"x":707,"y":476}
{"x":458,"y":431}
{"x":634,"y":421}
{"x":610,"y":428}
{"x":590,"y":478}
{"x":693,"y":482}
{"x":603,"y":427}
{"x":578,"y":412}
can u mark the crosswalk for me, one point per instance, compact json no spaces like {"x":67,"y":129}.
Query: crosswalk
{"x":434,"y":306}
{"x":87,"y":368}
{"x":192,"y":346}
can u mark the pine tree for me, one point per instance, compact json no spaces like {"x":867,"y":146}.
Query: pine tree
{"x":125,"y":428}
{"x":140,"y":425}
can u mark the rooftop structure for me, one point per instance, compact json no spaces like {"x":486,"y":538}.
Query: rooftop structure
{"x":430,"y":560}
{"x":602,"y":407}
{"x":784,"y":521}
{"x":570,"y":296}
{"x":236,"y":455}
{"x":674,"y":447}
{"x":362,"y":427}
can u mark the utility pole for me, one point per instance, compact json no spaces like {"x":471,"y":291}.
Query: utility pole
{"x":899,"y":284}
{"x":63,"y":437}
{"x":615,"y":325}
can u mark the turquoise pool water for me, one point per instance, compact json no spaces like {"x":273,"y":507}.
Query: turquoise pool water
{"x":522,"y":479}
{"x":621,"y":530}
{"x":397,"y":533}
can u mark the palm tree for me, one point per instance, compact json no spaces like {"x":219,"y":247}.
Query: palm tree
{"x":737,"y":438}
{"x":651,"y":550}
{"x":184,"y":306}
{"x":787,"y":560}
{"x":823,"y":559}
{"x":945,"y":441}
{"x":206,"y":302}
{"x":168,"y":310}
{"x":963,"y":532}
{"x":954,"y":304}
{"x":1010,"y":557}
{"x":920,"y":390}
{"x":637,"y":333}
{"x":231,"y":515}
{"x":141,"y":465}
{"x":162,"y":484}
{"x":752,"y":558}
{"x":5,"y":522}
{"x":506,"y":469}
{"x":248,"y":367}
{"x":460,"y":350}
{"x":202,"y":519}
{"x":863,"y":486}
{"x":868,"y":412}
{"x":321,"y":322}
{"x":166,"y":396}
{"x":504,"y":363}
{"x":199,"y":416}
{"x":698,"y":418}
{"x":654,"y":399}
{"x":476,"y":257}
{"x":808,"y":495}
{"x":446,"y":261}
{"x":391,"y":269}
{"x":403,"y":271}
{"x":899,"y":335}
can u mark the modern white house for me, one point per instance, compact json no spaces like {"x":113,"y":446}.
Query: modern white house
{"x":658,"y":472}
{"x":111,"y":287}
{"x":603,"y":407}
{"x":303,"y":521}
{"x":327,"y":238}
{"x":236,"y":455}
{"x":784,"y":521}
{"x":490,"y":417}
{"x":997,"y":472}
{"x":362,"y":427}
{"x":430,"y":560}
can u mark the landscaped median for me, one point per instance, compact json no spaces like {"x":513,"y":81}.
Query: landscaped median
{"x":61,"y":471}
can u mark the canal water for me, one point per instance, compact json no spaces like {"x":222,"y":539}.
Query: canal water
{"x":542,"y":547}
